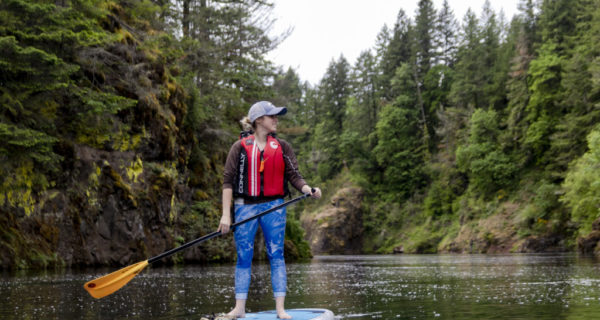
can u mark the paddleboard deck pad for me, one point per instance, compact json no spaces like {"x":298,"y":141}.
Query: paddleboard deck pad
{"x":297,"y":314}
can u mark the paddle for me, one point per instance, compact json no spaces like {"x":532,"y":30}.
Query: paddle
{"x":108,"y":284}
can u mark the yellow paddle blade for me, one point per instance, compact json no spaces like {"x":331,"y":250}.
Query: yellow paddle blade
{"x":110,"y":283}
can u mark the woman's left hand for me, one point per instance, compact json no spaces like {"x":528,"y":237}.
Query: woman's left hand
{"x":316,"y":194}
{"x":307,"y":189}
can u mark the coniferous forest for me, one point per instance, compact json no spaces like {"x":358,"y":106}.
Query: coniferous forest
{"x":465,"y":134}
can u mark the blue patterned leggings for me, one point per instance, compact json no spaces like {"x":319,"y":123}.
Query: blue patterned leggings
{"x":273,"y":228}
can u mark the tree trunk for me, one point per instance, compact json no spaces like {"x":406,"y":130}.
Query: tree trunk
{"x":186,"y":18}
{"x":426,"y":137}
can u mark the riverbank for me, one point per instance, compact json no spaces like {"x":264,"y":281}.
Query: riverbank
{"x":351,"y":219}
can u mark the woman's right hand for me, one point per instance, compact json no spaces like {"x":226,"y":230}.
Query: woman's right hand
{"x":225,"y":224}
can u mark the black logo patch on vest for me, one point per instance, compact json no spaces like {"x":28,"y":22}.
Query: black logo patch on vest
{"x":241,"y":174}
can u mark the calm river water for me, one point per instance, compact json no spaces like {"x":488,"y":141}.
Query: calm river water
{"x":564,"y":286}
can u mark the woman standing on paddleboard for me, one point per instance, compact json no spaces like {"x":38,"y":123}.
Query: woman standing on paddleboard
{"x":257,"y":170}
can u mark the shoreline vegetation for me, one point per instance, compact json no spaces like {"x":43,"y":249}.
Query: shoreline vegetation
{"x":472,"y":134}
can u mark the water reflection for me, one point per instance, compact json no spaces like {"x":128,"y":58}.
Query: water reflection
{"x":354,"y":287}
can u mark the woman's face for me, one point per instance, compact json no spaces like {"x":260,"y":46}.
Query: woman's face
{"x":269,"y":123}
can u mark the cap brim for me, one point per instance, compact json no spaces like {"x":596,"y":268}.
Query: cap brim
{"x":277,"y":111}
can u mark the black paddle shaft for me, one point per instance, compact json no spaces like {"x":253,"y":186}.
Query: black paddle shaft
{"x":218,"y":233}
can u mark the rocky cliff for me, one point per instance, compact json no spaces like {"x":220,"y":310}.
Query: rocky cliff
{"x":337,"y":228}
{"x":113,"y":205}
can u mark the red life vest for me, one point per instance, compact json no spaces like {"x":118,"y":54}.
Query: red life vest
{"x":258,"y":176}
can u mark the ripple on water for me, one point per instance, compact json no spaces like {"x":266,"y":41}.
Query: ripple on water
{"x":354,"y":287}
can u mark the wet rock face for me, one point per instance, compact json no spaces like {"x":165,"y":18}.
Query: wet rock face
{"x":542,"y":244}
{"x":127,"y":221}
{"x":337,"y":228}
{"x":590,"y":243}
{"x":105,"y":217}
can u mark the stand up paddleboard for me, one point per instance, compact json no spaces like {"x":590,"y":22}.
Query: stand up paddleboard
{"x":297,"y":314}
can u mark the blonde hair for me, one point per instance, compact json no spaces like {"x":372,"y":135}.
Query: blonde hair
{"x":247,"y":125}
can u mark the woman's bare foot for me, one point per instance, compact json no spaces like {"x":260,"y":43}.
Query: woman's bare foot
{"x":239,"y":311}
{"x":279,"y":303}
{"x":235,"y":313}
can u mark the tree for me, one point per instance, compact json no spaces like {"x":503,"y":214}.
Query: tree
{"x":482,"y":158}
{"x":495,"y":63}
{"x":382,"y":43}
{"x":580,"y":91}
{"x":398,"y":51}
{"x":557,"y":22}
{"x":467,"y":90}
{"x":543,"y":108}
{"x":446,"y":35}
{"x":436,"y":90}
{"x":225,"y":46}
{"x":582,"y":185}
{"x":422,"y":59}
{"x":288,"y":92}
{"x":361,"y":112}
{"x":364,"y":89}
{"x":425,"y":25}
{"x":529,"y":23}
{"x":399,"y":151}
{"x":334,"y":90}
{"x":523,"y":36}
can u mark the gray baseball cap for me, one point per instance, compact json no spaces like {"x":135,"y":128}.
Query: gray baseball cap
{"x":265,"y":108}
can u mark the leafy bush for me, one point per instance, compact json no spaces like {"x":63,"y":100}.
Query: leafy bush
{"x":543,"y":213}
{"x":295,"y":235}
{"x":489,"y":169}
{"x":582,"y":185}
{"x":439,"y":199}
